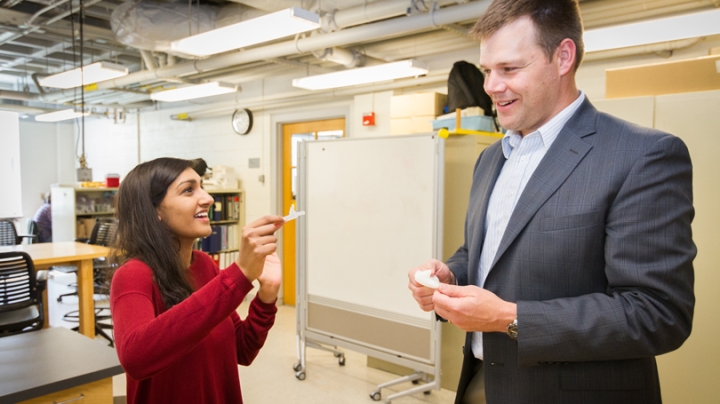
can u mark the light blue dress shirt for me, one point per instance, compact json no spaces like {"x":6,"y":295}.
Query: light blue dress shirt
{"x":522,"y":154}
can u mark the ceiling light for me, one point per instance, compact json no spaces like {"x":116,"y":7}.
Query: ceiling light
{"x":362,"y":75}
{"x":60,"y":115}
{"x":195,"y":91}
{"x":653,"y":31}
{"x":268,"y":27}
{"x":92,"y":73}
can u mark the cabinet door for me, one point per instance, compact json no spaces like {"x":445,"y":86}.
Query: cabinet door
{"x":63,"y":213}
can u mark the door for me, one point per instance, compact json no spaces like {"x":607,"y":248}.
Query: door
{"x":293,"y":134}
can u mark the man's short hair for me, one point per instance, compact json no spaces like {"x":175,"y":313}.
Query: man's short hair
{"x":554,"y":21}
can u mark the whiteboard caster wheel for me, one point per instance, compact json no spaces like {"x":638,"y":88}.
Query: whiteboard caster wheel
{"x":300,"y":375}
{"x":341,"y":361}
{"x":426,"y":392}
{"x":297,"y":367}
{"x":337,"y":355}
{"x":375,"y":395}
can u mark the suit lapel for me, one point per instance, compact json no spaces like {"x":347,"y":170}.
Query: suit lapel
{"x":490,"y":174}
{"x":566,"y":152}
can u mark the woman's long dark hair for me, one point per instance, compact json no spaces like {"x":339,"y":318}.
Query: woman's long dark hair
{"x":141,"y":234}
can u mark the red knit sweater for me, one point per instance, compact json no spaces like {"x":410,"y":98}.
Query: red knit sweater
{"x":190,"y":353}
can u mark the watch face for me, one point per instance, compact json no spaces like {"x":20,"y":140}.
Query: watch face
{"x":242,"y":121}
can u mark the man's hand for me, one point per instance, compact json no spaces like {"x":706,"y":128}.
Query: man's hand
{"x":473,"y":309}
{"x":424,"y":295}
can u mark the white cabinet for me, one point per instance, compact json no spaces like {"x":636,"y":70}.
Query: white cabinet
{"x":74,"y":210}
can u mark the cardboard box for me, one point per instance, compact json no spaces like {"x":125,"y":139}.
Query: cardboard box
{"x":412,"y":125}
{"x":684,"y":76}
{"x":420,"y":104}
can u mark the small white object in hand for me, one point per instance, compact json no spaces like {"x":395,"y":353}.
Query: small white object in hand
{"x":424,"y":278}
{"x":292,"y":214}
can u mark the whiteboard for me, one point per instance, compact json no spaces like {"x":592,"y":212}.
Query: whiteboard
{"x":11,"y":200}
{"x":372,"y":209}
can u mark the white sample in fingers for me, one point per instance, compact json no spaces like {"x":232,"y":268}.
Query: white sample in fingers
{"x":424,"y":278}
{"x":292,"y":214}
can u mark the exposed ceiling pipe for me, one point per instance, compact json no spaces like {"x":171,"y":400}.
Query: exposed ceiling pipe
{"x":46,"y":23}
{"x":43,"y":11}
{"x":375,"y":31}
{"x":148,"y":59}
{"x":341,"y":56}
{"x":641,"y":50}
{"x":370,"y":12}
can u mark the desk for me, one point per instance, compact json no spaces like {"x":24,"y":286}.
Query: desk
{"x":45,"y":255}
{"x":52,"y":360}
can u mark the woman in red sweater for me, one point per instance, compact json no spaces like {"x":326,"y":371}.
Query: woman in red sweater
{"x":178,"y":336}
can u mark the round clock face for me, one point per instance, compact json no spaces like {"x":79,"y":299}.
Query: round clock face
{"x":242,"y":121}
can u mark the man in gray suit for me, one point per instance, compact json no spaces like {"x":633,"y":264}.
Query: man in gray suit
{"x":576,"y":269}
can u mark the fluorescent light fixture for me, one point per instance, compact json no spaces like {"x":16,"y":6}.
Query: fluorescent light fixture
{"x":92,"y":73}
{"x":266,"y":28}
{"x":362,"y":75}
{"x":647,"y":32}
{"x":60,"y":115}
{"x":194,"y":91}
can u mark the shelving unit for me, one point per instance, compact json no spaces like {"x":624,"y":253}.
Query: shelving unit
{"x":75,"y":209}
{"x":227,"y":218}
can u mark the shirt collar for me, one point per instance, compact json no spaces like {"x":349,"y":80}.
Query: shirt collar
{"x":548,"y":132}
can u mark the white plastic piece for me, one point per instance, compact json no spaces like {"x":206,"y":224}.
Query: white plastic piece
{"x":424,"y":278}
{"x":292,"y":214}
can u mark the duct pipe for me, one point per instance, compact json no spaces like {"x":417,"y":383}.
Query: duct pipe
{"x":370,"y":12}
{"x":149,"y":60}
{"x":341,"y":56}
{"x":641,"y":50}
{"x":16,"y":95}
{"x":376,"y":31}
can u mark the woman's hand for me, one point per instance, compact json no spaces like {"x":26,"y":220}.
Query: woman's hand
{"x":258,"y":241}
{"x":270,"y":279}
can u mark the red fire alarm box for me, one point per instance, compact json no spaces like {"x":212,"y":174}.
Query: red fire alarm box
{"x":369,"y":119}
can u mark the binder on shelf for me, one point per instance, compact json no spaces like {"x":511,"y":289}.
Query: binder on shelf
{"x":214,"y":240}
{"x":218,"y":210}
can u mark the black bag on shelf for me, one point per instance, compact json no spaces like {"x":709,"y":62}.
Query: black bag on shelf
{"x":465,"y":88}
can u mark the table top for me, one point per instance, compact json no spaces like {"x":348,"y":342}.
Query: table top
{"x":53,"y":253}
{"x":42,"y":362}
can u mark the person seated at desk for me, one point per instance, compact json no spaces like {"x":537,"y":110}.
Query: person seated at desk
{"x":43,"y":219}
{"x":178,"y":336}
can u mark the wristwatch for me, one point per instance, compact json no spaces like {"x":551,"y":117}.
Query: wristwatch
{"x":512,"y":330}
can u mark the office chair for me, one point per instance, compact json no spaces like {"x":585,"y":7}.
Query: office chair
{"x":103,"y":234}
{"x":34,"y":231}
{"x":8,"y":234}
{"x":21,"y":289}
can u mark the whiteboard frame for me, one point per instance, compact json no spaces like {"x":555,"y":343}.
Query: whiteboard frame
{"x":308,"y":336}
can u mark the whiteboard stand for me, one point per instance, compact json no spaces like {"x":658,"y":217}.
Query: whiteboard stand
{"x":374,"y":210}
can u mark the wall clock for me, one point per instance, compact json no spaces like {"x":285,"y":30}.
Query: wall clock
{"x":242,"y":121}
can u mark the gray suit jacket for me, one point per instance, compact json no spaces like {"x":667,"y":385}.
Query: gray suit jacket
{"x":598,"y":256}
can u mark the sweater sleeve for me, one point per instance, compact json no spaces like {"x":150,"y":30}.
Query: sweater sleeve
{"x":146,"y":343}
{"x":251,"y":333}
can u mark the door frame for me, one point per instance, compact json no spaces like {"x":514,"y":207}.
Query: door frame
{"x":340,"y":109}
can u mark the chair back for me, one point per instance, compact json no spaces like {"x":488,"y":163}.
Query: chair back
{"x":104,"y":232}
{"x":20,"y":299}
{"x":34,"y":230}
{"x":8,"y":233}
